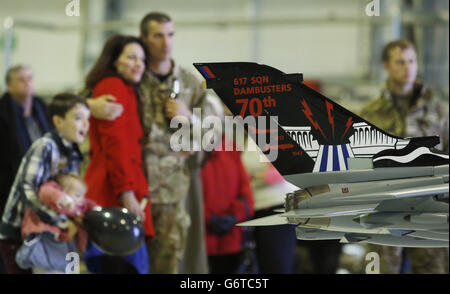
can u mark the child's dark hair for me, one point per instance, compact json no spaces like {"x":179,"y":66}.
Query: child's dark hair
{"x":64,"y":102}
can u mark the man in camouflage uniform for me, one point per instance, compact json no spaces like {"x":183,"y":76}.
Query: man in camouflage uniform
{"x":407,"y":108}
{"x":167,"y":91}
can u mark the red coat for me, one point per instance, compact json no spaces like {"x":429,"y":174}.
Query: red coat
{"x":226,"y":190}
{"x":115,"y":164}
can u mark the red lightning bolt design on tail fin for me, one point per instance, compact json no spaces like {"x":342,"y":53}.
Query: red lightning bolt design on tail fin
{"x":309,"y":114}
{"x":330,"y":118}
{"x":348,"y":125}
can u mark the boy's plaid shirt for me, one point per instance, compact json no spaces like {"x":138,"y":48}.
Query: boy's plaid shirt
{"x":48,"y":156}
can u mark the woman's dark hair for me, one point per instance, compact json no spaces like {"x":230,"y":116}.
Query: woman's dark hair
{"x":104,"y":66}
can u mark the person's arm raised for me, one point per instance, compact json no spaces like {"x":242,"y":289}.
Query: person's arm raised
{"x":104,"y":107}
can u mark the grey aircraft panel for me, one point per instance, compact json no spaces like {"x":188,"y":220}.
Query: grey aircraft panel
{"x":332,"y":211}
{"x":400,"y":241}
{"x":398,"y":194}
{"x":416,"y":204}
{"x":355,"y":176}
{"x":271,"y":220}
{"x":430,"y":235}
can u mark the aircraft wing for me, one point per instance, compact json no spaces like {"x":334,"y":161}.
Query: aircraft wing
{"x":271,"y":220}
{"x":281,"y":218}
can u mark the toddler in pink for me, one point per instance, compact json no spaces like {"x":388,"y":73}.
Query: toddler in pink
{"x":65,"y":195}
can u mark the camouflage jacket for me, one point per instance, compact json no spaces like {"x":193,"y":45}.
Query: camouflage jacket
{"x":420,"y":114}
{"x":167,"y":171}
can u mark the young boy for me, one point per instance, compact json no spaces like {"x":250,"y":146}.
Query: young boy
{"x":54,"y":153}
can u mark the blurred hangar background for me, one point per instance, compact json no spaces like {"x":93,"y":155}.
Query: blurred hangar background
{"x":336,"y":44}
{"x":333,"y":42}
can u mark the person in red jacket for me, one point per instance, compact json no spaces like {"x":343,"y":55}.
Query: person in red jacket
{"x":228,"y":199}
{"x":114,"y":176}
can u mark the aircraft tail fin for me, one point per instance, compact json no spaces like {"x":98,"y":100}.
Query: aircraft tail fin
{"x":326,"y":134}
{"x":281,"y":150}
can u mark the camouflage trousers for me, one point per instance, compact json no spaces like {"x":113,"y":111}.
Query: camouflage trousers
{"x":166,"y":249}
{"x":422,"y":260}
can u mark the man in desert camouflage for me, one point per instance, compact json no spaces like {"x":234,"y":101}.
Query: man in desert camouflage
{"x":168,"y":92}
{"x":407,"y":108}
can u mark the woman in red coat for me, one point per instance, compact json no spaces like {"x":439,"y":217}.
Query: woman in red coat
{"x":228,"y":199}
{"x":114,"y":176}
